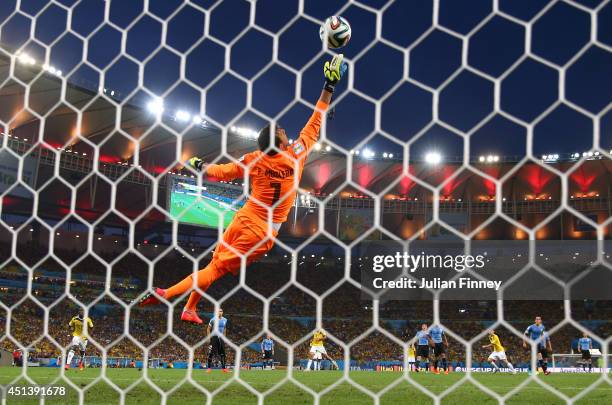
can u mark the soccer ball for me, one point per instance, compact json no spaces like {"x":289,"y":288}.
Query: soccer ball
{"x":337,"y":31}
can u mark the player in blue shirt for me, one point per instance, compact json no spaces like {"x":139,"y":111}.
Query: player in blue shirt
{"x":536,"y":332}
{"x":438,"y":337}
{"x":422,"y":340}
{"x":218,"y":327}
{"x":585,"y":344}
{"x":267,"y":350}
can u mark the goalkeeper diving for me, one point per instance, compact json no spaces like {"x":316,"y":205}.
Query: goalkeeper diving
{"x":274,"y":172}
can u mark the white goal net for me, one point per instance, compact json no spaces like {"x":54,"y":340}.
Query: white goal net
{"x":479,"y":131}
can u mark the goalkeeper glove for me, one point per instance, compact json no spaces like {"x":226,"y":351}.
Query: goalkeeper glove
{"x":333,"y":71}
{"x":196,"y":163}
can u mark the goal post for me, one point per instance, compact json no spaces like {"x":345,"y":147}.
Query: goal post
{"x":568,"y":362}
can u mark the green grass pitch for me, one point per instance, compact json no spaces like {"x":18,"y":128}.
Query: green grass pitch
{"x":233,"y":392}
{"x":200,"y":212}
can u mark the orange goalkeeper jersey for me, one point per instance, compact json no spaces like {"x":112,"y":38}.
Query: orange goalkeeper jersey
{"x":274,"y":179}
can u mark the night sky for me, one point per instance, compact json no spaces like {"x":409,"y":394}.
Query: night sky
{"x":193,"y":42}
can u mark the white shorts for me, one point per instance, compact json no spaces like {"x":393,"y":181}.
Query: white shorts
{"x":317,"y":352}
{"x":498,"y":355}
{"x":79,"y":341}
{"x":411,"y":359}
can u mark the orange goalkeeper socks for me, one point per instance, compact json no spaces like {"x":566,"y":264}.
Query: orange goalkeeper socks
{"x":205,"y":278}
{"x":193,"y":300}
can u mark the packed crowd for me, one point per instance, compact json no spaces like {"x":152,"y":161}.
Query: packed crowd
{"x":347,"y":312}
{"x":148,"y":327}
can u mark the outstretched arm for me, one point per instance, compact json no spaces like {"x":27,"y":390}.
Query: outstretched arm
{"x":333,"y":71}
{"x":325,"y":96}
{"x":226,"y":171}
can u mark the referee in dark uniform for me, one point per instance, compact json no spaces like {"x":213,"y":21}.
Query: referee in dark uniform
{"x":217,"y":347}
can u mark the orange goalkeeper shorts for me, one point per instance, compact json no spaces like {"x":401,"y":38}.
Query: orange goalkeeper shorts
{"x":243,"y":234}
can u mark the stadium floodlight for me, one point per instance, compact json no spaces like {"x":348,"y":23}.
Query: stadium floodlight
{"x":385,"y":155}
{"x":328,"y":148}
{"x":481,"y":159}
{"x":433,"y":158}
{"x":390,"y":155}
{"x":182,"y":116}
{"x":26,"y":59}
{"x":495,"y":158}
{"x":317,"y":146}
{"x":197,"y":120}
{"x":155,"y":106}
{"x":245,"y":132}
{"x":553,"y":157}
{"x":367,"y":153}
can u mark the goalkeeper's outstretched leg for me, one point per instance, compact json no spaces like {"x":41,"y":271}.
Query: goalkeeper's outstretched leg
{"x":243,"y":234}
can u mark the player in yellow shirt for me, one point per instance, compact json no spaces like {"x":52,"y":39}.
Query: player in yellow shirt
{"x":79,"y":338}
{"x":317,"y":350}
{"x":412,"y":357}
{"x":498,"y":354}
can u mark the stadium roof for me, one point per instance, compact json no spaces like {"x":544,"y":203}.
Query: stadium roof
{"x":108,"y":120}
